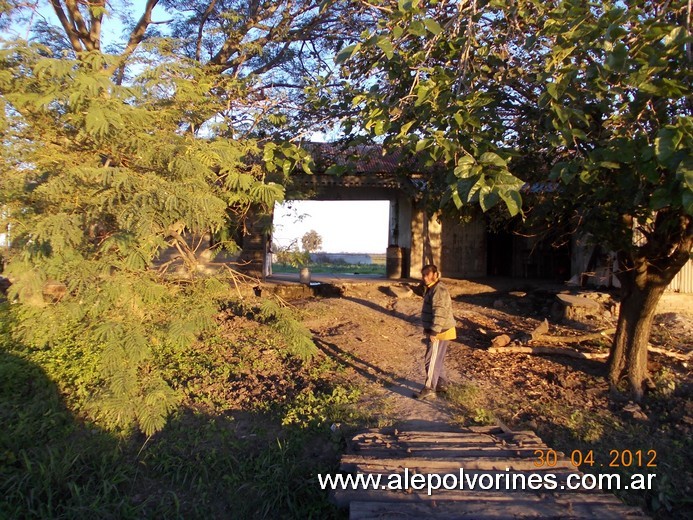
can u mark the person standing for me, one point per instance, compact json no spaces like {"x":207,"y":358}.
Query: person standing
{"x":439,"y":328}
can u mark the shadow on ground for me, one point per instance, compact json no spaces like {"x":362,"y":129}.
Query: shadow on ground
{"x":239,"y":465}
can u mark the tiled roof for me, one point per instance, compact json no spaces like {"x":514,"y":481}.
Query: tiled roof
{"x":357,"y":159}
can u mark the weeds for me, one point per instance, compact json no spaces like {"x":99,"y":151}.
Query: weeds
{"x":248,"y":442}
{"x":311,"y":409}
{"x":472,"y":405}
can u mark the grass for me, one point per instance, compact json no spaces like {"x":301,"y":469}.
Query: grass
{"x":472,"y":405}
{"x":334,"y":268}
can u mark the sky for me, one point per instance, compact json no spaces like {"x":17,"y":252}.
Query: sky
{"x":345,"y":226}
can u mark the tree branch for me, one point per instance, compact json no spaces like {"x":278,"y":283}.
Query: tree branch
{"x":203,"y":21}
{"x":72,"y":34}
{"x":95,"y":30}
{"x":136,"y":37}
{"x":78,"y":22}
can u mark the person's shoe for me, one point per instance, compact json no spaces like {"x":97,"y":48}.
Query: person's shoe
{"x":442,"y":389}
{"x":425,"y":393}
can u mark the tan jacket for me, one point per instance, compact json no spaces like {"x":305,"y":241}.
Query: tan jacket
{"x":436,"y":313}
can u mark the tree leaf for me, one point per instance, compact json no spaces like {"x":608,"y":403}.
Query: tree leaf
{"x":617,"y":58}
{"x":487,"y":198}
{"x":386,"y":46}
{"x":493,"y":159}
{"x":346,"y":53}
{"x":687,"y":202}
{"x":417,"y":28}
{"x":660,"y":199}
{"x":422,"y":93}
{"x":405,"y":5}
{"x":664,"y":145}
{"x":433,"y":26}
{"x":685,"y":170}
{"x":513,"y":201}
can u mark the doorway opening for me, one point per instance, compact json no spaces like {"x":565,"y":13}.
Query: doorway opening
{"x":331,"y":236}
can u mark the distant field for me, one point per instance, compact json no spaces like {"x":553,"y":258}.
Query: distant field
{"x":339,"y":268}
{"x":348,"y":258}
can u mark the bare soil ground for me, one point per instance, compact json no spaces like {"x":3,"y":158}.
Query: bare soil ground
{"x":377,"y":336}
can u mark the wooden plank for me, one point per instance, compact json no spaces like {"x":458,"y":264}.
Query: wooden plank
{"x":392,"y":430}
{"x":441,"y":435}
{"x":478,"y":451}
{"x":485,"y":510}
{"x":423,"y":437}
{"x":410,"y":446}
{"x":423,"y":433}
{"x":496,"y":452}
{"x":515,"y":435}
{"x":521,"y":432}
{"x":485,"y":429}
{"x":386,"y":470}
{"x":499,"y":463}
{"x":426,"y":442}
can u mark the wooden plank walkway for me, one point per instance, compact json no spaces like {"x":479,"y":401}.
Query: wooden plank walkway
{"x":493,"y":451}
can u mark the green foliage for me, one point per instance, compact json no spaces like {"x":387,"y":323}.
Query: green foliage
{"x":49,"y":466}
{"x":473,"y":405}
{"x":198,"y":465}
{"x":335,"y":268}
{"x":610,"y":82}
{"x":98,"y":180}
{"x":215,"y":473}
{"x":312,"y":409}
{"x":297,"y":336}
{"x":585,"y":426}
{"x":607,"y":104}
{"x":291,"y":255}
{"x":574,"y":115}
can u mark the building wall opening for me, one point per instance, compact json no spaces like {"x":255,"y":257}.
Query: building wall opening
{"x":330,"y":233}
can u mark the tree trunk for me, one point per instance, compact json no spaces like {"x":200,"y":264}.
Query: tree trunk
{"x":645,"y":271}
{"x":628,"y":355}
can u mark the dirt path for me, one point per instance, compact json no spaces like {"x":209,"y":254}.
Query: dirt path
{"x":377,"y":336}
{"x":378,"y":339}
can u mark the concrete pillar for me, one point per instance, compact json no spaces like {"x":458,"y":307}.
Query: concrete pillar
{"x":425,"y":241}
{"x":400,"y":233}
{"x":255,"y":245}
{"x":404,"y":238}
{"x":417,"y":232}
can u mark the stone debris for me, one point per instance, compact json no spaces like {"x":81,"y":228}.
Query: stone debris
{"x":541,"y":330}
{"x":399,"y":291}
{"x":500,"y":341}
{"x":570,"y":307}
{"x":634,"y":410}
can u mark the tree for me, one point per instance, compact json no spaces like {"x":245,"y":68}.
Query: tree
{"x":96,"y":183}
{"x":291,"y":255}
{"x":112,"y":155}
{"x":600,"y":94}
{"x":277,"y":51}
{"x":311,"y":241}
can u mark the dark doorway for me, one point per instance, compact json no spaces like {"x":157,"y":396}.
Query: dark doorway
{"x":499,"y":260}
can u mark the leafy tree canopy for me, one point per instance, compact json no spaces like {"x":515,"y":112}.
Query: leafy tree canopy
{"x":279,"y":51}
{"x":311,"y":241}
{"x":586,"y":103}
